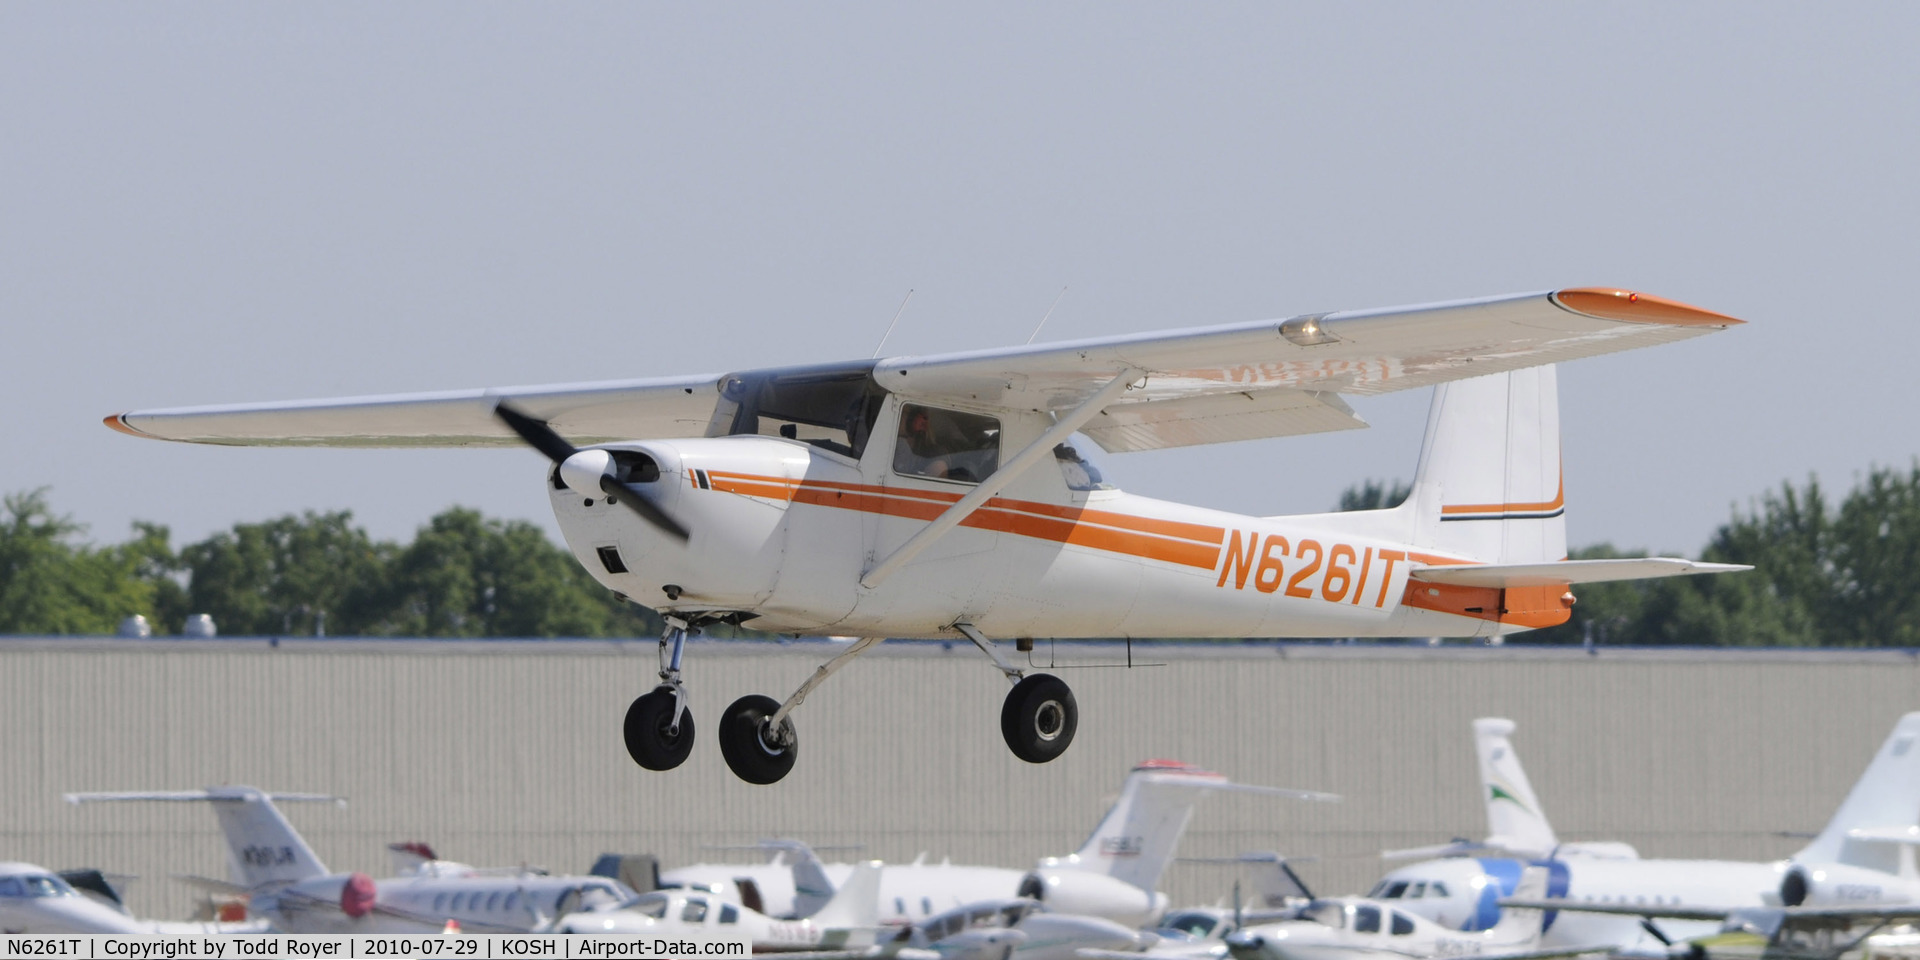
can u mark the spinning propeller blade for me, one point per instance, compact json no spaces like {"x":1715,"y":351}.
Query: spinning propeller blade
{"x":543,"y":438}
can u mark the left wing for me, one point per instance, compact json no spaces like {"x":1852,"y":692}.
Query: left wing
{"x":1244,"y":381}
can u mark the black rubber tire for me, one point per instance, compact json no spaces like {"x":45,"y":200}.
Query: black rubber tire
{"x":648,"y":742}
{"x":1039,"y":718}
{"x":749,"y":755}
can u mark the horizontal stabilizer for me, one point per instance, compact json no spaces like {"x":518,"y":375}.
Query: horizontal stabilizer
{"x":1907,"y":835}
{"x":1571,"y":571}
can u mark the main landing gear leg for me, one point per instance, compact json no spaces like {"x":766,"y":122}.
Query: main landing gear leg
{"x":1040,"y":716}
{"x":659,"y":728}
{"x":757,"y":735}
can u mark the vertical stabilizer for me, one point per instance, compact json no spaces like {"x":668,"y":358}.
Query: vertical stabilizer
{"x":1515,"y":822}
{"x":811,"y":887}
{"x":1488,"y":487}
{"x":1522,"y":926}
{"x":1136,"y":839}
{"x":856,"y":904}
{"x":1884,"y":803}
{"x":263,"y":849}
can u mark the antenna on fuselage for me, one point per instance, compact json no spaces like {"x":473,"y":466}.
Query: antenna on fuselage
{"x":890,"y":326}
{"x":1049,"y":313}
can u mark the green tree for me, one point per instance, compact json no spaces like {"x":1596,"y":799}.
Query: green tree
{"x":51,"y":584}
{"x":468,"y":576}
{"x":290,"y":576}
{"x":1374,"y":495}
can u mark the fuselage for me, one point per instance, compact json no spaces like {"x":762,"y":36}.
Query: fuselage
{"x":476,"y":902}
{"x":1464,"y":893}
{"x":34,"y":900}
{"x":784,"y":531}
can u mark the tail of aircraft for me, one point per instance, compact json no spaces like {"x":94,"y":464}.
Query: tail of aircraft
{"x":1881,"y":814}
{"x":1515,"y":822}
{"x":1488,"y":486}
{"x":856,"y":904}
{"x":1136,"y":839}
{"x":263,"y":849}
{"x":812,"y":890}
{"x":1523,"y":925}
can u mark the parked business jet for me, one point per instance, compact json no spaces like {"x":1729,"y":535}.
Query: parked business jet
{"x":34,"y":900}
{"x":1358,"y":928}
{"x":944,"y":496}
{"x":1114,"y":875}
{"x":290,"y":887}
{"x":1861,"y":858}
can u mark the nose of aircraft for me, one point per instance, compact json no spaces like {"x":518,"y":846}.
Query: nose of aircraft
{"x":582,"y":471}
{"x":1246,"y":945}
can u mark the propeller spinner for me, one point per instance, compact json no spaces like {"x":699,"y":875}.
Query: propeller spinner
{"x":586,"y":469}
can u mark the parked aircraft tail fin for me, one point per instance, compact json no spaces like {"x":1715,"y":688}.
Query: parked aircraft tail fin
{"x":1881,"y":814}
{"x":1521,"y":926}
{"x":1136,"y":839}
{"x":1515,"y":821}
{"x":856,"y":905}
{"x":263,"y":849}
{"x":811,"y":887}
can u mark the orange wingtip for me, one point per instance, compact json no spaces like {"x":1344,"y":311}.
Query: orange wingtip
{"x":1608,"y":303}
{"x":118,"y":422}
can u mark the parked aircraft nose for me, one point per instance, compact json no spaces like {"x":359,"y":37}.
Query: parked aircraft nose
{"x":1246,"y":945}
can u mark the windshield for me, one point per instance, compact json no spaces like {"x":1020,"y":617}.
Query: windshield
{"x":41,"y":885}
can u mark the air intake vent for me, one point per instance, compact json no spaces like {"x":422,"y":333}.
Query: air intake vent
{"x":610,"y":558}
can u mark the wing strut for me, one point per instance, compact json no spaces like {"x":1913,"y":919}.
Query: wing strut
{"x":1041,"y":447}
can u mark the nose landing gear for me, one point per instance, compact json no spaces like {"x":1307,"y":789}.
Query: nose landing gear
{"x":659,"y":727}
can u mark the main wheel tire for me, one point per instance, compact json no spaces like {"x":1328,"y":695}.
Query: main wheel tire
{"x":1039,"y":718}
{"x":744,"y":740}
{"x":648,"y":741}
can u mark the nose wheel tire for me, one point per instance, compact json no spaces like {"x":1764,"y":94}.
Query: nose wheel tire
{"x":1039,"y":718}
{"x":754,"y":753}
{"x":651,"y":740}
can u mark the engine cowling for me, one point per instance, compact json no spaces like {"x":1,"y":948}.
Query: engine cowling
{"x":358,"y":895}
{"x":1093,"y":894}
{"x":1840,"y":885}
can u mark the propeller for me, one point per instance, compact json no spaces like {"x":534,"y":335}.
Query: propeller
{"x":577,"y":465}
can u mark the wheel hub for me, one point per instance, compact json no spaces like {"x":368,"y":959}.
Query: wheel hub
{"x":1049,"y":720}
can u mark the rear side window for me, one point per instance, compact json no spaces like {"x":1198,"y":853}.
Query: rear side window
{"x":1401,"y":925}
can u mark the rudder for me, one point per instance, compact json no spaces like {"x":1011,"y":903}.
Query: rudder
{"x":1489,"y":486}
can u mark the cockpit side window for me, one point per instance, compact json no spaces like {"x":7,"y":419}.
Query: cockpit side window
{"x":1396,"y":891}
{"x":1366,"y":919}
{"x":46,"y":886}
{"x":946,"y":444}
{"x":1417,"y":890}
{"x":1438,"y":889}
{"x":12,"y":887}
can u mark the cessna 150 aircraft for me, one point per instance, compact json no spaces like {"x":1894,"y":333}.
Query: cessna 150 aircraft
{"x":944,"y":495}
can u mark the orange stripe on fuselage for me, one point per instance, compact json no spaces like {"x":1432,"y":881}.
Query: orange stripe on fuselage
{"x":1172,"y":541}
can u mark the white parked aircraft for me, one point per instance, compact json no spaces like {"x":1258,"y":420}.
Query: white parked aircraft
{"x":1114,"y":875}
{"x":943,"y":496}
{"x":1020,"y":929}
{"x":288,"y":885}
{"x":34,"y":900}
{"x":847,"y":922}
{"x":1357,"y":928}
{"x":1860,"y":859}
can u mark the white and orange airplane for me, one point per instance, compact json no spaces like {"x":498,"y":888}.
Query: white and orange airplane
{"x":947,"y":495}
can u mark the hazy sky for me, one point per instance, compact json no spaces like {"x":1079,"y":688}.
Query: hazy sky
{"x":222,"y":203}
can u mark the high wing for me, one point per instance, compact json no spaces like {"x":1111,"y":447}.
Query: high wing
{"x":1202,"y":385}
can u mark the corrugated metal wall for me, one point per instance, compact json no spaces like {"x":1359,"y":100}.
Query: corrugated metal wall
{"x":507,"y":753}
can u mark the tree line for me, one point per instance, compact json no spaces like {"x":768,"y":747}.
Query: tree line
{"x":1827,"y":574}
{"x":463,"y":575}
